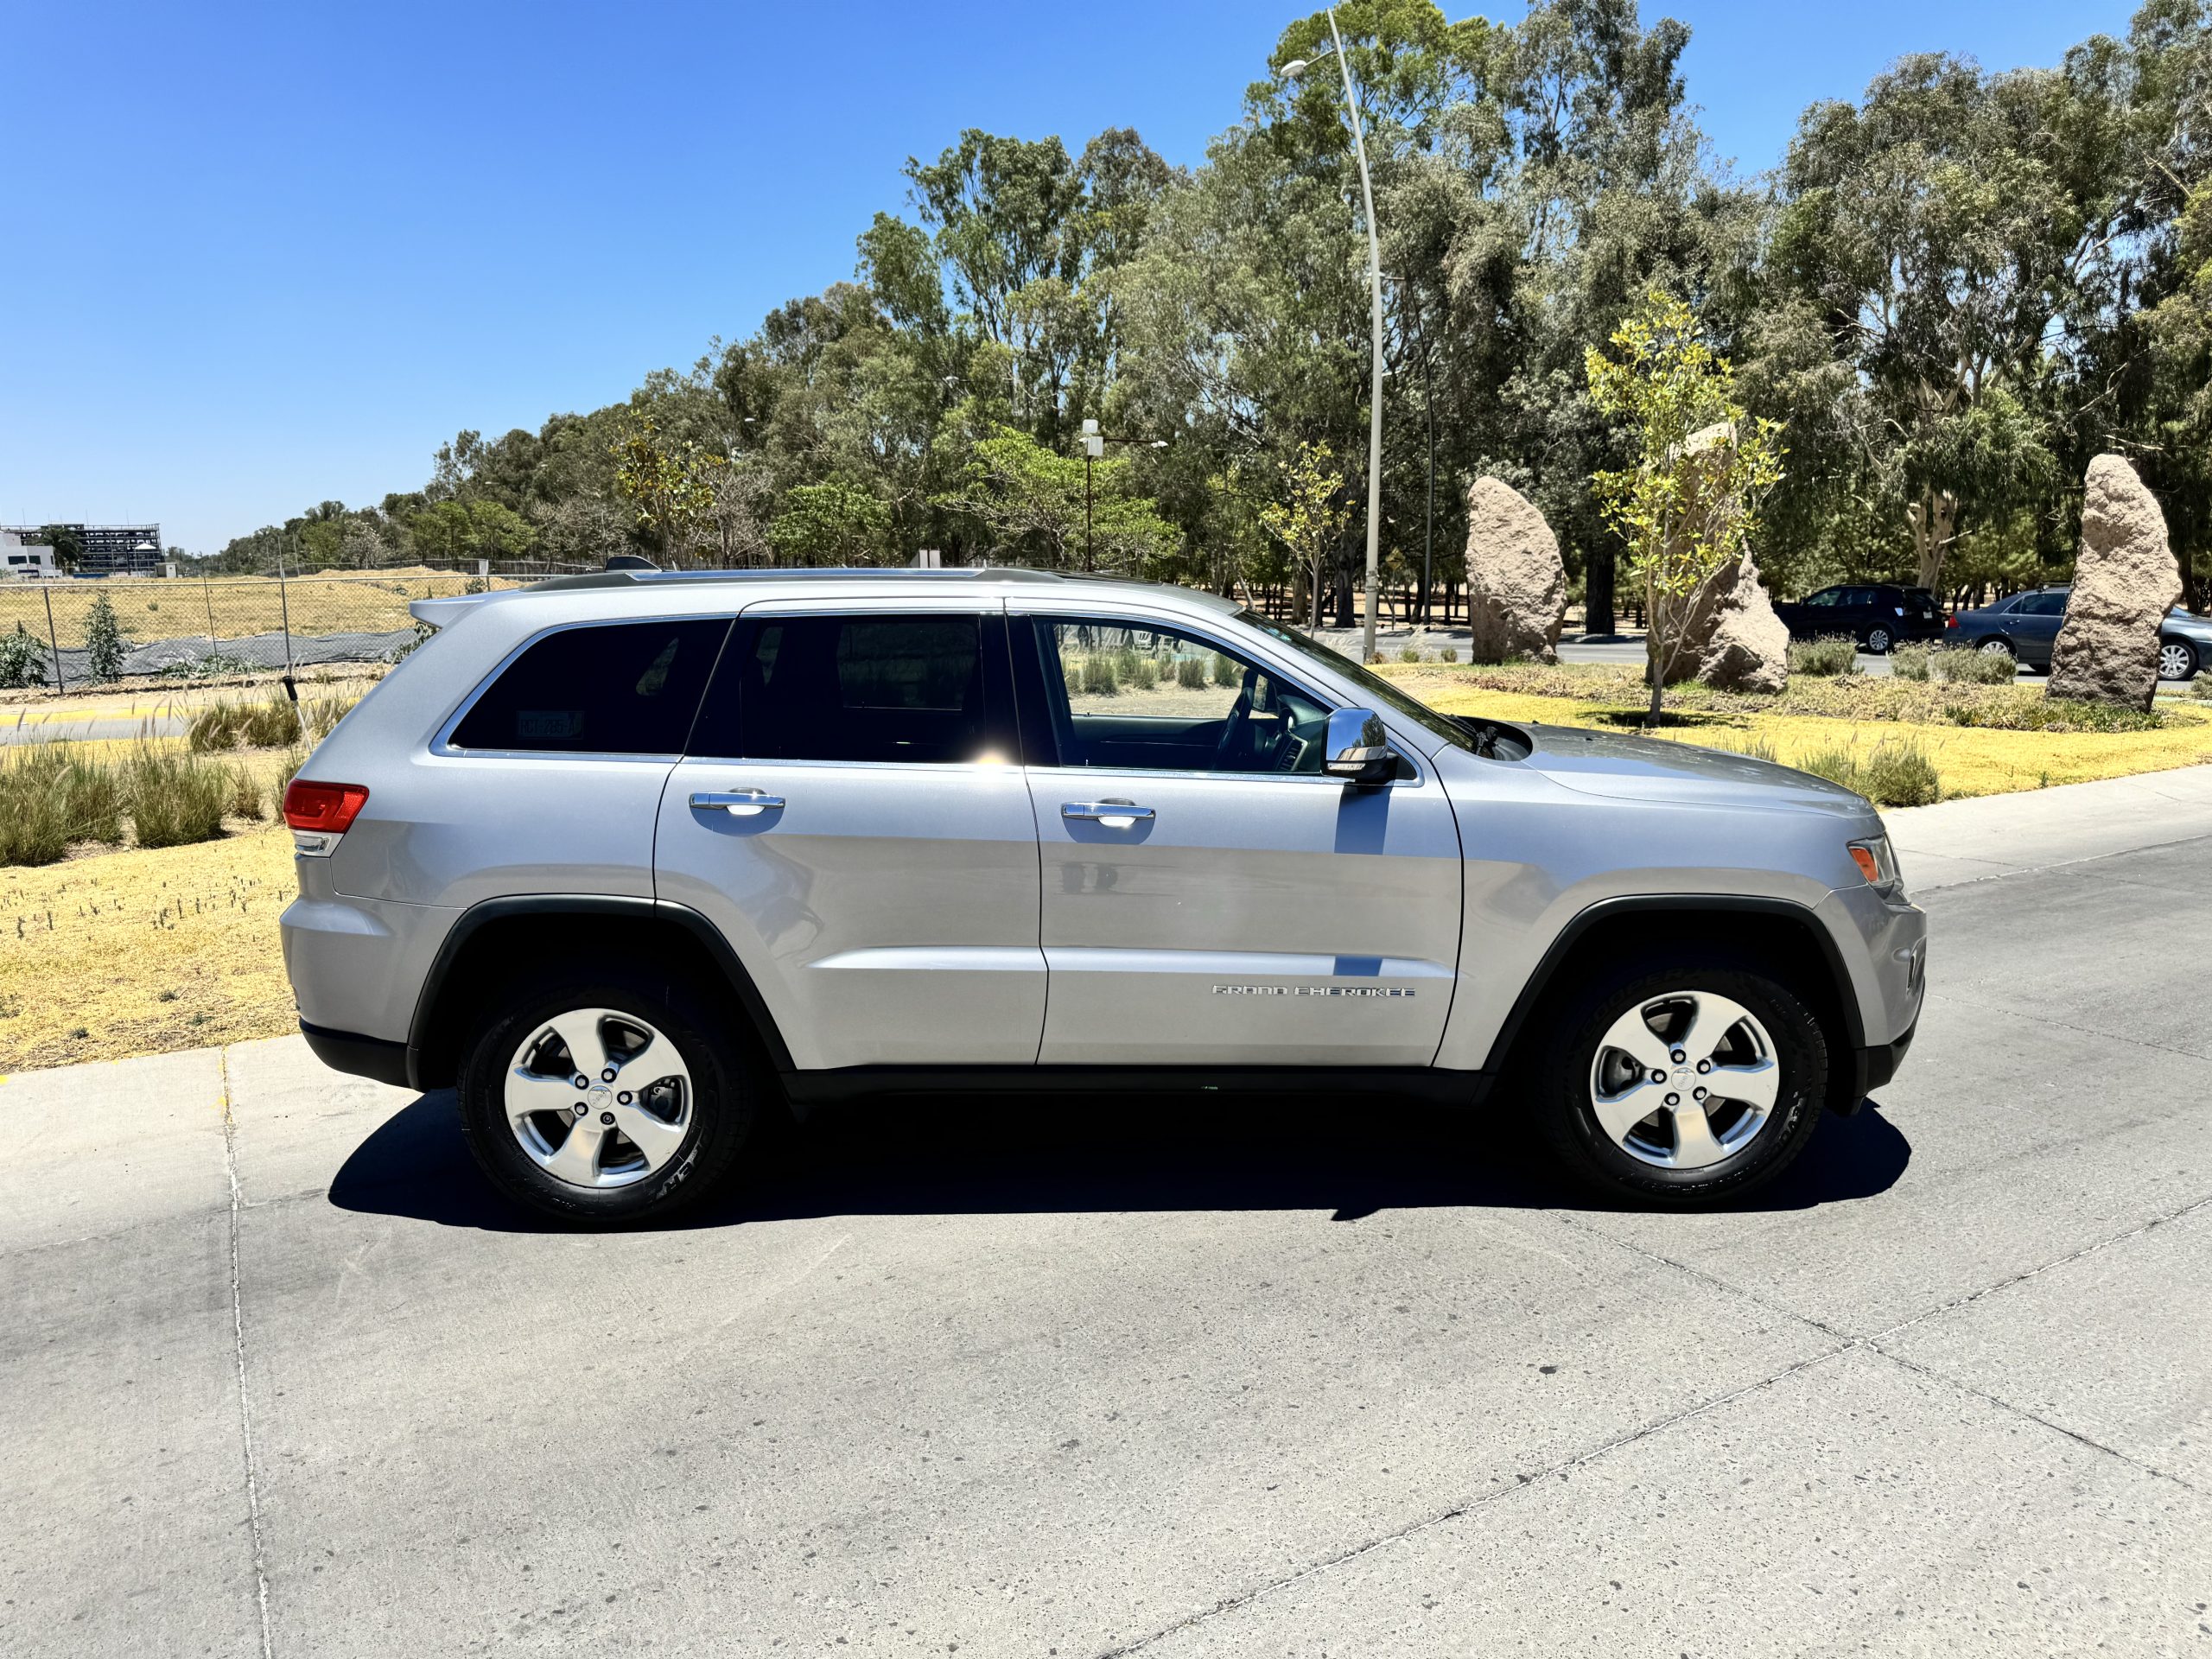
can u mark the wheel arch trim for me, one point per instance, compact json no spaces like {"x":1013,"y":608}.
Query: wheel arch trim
{"x":487,"y":911}
{"x":1578,"y":926}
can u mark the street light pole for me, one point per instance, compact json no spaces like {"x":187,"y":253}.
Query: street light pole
{"x":1375,"y":313}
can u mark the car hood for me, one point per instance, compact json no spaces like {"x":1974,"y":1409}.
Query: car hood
{"x":1649,"y":769}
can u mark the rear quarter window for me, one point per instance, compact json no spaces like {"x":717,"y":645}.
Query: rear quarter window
{"x":621,"y":688}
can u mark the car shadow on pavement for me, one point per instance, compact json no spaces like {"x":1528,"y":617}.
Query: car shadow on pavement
{"x":1347,"y":1156}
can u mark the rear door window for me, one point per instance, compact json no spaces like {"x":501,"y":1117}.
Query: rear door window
{"x":621,"y":688}
{"x":920,"y":688}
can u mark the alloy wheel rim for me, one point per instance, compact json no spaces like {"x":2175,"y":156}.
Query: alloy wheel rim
{"x":2173,"y":662}
{"x":1684,"y":1080}
{"x":597,"y":1098}
{"x":1996,"y":648}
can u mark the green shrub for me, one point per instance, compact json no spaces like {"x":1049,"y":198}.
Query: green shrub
{"x":1147,"y":675}
{"x":22,"y":659}
{"x":1911,"y":661}
{"x":1190,"y":672}
{"x":1899,"y":773}
{"x":95,"y":801}
{"x":207,"y":667}
{"x":104,"y":642}
{"x":1837,"y":764}
{"x":2200,"y":687}
{"x":2030,"y":713}
{"x":1225,"y":671}
{"x":1825,"y":657}
{"x":1966,"y":667}
{"x":1447,"y":655}
{"x":1409,"y":655}
{"x":1099,"y":679}
{"x":175,"y":798}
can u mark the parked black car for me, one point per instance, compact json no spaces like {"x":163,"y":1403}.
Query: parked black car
{"x":1878,"y":617}
{"x":2025,"y":627}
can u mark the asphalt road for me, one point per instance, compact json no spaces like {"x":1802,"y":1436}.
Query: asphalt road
{"x":1166,"y":1376}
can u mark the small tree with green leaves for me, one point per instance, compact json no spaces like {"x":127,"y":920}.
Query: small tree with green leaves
{"x":21,"y":659}
{"x":672,"y":486}
{"x":103,"y":644}
{"x":1690,"y":502}
{"x":1310,"y":518}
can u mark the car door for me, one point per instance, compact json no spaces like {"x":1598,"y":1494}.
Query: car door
{"x":2034,"y":625}
{"x":850,"y":814}
{"x":1209,"y":897}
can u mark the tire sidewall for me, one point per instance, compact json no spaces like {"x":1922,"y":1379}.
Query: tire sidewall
{"x":1571,"y":1121}
{"x":722,"y":1102}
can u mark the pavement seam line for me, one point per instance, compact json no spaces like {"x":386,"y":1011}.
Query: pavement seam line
{"x":2083,"y":1031}
{"x":1650,"y":1254}
{"x":1520,"y":1484}
{"x":238,"y":1346}
{"x":2056,"y":1263}
{"x":2018,"y":1410}
{"x":2012,"y":870}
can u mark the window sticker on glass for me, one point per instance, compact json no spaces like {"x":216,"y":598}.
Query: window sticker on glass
{"x":537,"y":723}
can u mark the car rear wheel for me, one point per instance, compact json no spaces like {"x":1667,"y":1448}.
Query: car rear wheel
{"x":2176,"y":659}
{"x":1684,"y":1084}
{"x":604,"y":1099}
{"x":1877,"y":641}
{"x":1995,"y":646}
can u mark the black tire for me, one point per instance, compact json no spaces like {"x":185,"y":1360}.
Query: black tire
{"x":728,"y":1093}
{"x":1563,"y":1080}
{"x":1879,"y":640}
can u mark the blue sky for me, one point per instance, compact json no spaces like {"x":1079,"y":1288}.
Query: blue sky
{"x":263,"y":256}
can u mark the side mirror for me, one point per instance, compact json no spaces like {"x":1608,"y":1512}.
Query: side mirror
{"x":1357,"y":751}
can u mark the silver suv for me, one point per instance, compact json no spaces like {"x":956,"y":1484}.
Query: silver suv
{"x":637,"y":859}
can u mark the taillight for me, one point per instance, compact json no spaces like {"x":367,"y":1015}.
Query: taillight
{"x":1951,"y":621}
{"x":320,"y":813}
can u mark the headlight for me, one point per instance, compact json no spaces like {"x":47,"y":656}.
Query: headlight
{"x":1876,"y":862}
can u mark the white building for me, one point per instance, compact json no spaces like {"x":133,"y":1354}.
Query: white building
{"x":25,"y":559}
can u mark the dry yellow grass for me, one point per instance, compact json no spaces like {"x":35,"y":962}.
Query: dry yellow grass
{"x":1972,"y":761}
{"x":230,"y":606}
{"x":143,"y":951}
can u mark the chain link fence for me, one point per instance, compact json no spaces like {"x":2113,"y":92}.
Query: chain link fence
{"x":199,"y":627}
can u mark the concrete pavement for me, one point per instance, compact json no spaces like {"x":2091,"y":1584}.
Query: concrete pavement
{"x":1178,"y":1377}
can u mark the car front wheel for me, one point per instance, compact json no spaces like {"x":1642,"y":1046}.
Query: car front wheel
{"x":1877,"y":641}
{"x":604,"y":1099}
{"x":2176,"y":659}
{"x":1684,"y":1084}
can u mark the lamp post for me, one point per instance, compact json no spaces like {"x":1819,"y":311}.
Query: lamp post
{"x":1290,"y":72}
{"x":1094,"y":445}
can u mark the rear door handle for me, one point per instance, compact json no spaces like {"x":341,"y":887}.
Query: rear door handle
{"x":739,"y":803}
{"x":1114,"y":815}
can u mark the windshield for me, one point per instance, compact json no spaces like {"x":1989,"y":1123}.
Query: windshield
{"x":1375,"y":685}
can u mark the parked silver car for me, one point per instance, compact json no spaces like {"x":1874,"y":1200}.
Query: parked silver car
{"x":636,"y":860}
{"x":2024,"y":627}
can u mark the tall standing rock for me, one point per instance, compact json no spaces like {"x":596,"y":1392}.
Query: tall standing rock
{"x":2124,"y":582}
{"x":1517,"y":584}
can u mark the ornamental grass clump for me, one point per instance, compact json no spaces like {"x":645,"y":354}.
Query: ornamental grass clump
{"x":51,"y":798}
{"x":1190,"y":673}
{"x":1911,"y":661}
{"x":175,"y":798}
{"x":1899,"y":773}
{"x":1825,"y":657}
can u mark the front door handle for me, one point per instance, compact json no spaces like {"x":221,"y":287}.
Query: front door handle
{"x":1114,"y":815}
{"x":739,"y":803}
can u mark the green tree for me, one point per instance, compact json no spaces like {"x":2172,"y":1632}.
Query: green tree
{"x":1690,"y":502}
{"x":1032,"y":504}
{"x":1310,"y":517}
{"x":672,"y":485}
{"x":831,"y":522}
{"x":104,"y":643}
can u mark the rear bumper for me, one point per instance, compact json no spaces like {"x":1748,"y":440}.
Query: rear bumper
{"x":362,"y":1057}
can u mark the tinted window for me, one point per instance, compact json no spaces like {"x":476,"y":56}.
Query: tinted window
{"x":1827,"y":596}
{"x":628,"y":688}
{"x":851,"y":687}
{"x":2043,"y":605}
